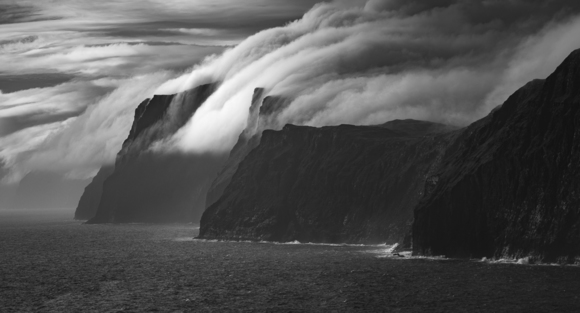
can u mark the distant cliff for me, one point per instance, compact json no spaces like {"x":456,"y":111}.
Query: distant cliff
{"x":331,"y":184}
{"x":510,"y":184}
{"x":91,"y":197}
{"x":147,"y":186}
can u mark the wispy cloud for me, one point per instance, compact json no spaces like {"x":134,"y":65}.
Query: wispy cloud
{"x":79,"y":146}
{"x":72,"y":71}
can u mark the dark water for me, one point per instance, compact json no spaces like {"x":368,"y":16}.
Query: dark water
{"x":50,"y":263}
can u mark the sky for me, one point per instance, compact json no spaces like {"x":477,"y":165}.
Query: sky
{"x":73,"y":71}
{"x":70,"y":69}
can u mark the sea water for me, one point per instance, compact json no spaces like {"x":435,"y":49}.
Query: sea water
{"x":52,"y":263}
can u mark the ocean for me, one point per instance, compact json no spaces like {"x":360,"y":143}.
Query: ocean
{"x":52,"y":263}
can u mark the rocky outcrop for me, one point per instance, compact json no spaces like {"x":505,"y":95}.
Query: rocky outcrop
{"x":150,"y":186}
{"x":332,"y":184}
{"x":509,"y":184}
{"x":91,"y":197}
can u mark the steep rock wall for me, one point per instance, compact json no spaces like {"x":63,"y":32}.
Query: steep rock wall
{"x":91,"y":197}
{"x":509,"y":185}
{"x":331,"y":184}
{"x":149,"y":186}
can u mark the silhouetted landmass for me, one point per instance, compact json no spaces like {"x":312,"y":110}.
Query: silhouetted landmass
{"x":509,"y":185}
{"x":91,"y":197}
{"x":149,"y":186}
{"x":331,"y":184}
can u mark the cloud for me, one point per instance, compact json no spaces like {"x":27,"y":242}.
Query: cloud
{"x":81,"y":145}
{"x":72,"y":71}
{"x":11,"y":83}
{"x":68,"y":97}
{"x":537,"y":57}
{"x":18,"y":13}
{"x":358,"y":62}
{"x":370,"y":62}
{"x":19,"y":143}
{"x":251,"y":15}
{"x":196,"y":31}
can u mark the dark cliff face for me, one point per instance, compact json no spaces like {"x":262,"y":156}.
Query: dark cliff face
{"x":509,"y":185}
{"x":89,"y":201}
{"x":160,"y":118}
{"x":331,"y":184}
{"x":158,"y":189}
{"x":263,"y":115}
{"x":148,"y":186}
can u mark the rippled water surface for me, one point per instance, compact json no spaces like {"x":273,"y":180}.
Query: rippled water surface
{"x":50,"y":263}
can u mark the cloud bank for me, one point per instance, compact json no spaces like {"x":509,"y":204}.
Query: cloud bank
{"x":73,"y":71}
{"x":84,"y":66}
{"x":447,"y":61}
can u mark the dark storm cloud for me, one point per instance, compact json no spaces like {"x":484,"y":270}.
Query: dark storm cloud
{"x":14,"y":13}
{"x":11,"y":83}
{"x":22,"y":40}
{"x":9,"y":125}
{"x":482,"y":11}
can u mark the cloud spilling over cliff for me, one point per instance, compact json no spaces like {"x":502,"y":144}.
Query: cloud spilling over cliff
{"x":73,"y":71}
{"x":447,"y":61}
{"x":66,"y":64}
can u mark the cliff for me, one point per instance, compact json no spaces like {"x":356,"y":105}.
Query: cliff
{"x":332,"y":184}
{"x":150,"y":186}
{"x":91,"y":197}
{"x":508,"y":185}
{"x":262,"y":115}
